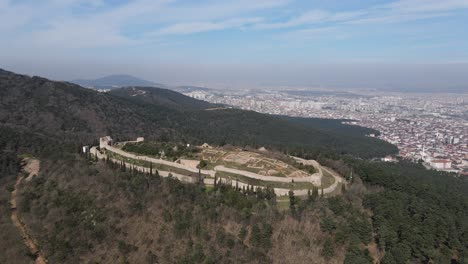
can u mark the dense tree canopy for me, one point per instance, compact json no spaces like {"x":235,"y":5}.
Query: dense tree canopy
{"x":79,"y":207}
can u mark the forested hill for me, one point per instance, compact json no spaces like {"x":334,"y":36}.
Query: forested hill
{"x":81,"y":210}
{"x":161,"y":97}
{"x":240,"y":127}
{"x":53,"y":108}
{"x":70,"y":112}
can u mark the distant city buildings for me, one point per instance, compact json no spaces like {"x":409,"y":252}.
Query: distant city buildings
{"x":432,"y":128}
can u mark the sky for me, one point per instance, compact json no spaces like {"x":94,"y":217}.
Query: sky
{"x":243,"y":43}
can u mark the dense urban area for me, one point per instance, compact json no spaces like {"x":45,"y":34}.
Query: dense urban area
{"x":432,"y":128}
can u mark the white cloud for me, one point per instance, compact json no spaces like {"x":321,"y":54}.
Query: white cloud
{"x":55,"y":24}
{"x":13,"y":16}
{"x":312,"y":17}
{"x":215,"y":10}
{"x":417,"y":6}
{"x":396,"y":18}
{"x":196,"y":27}
{"x":57,"y":27}
{"x":312,"y":34}
{"x":315,"y":25}
{"x":399,"y":11}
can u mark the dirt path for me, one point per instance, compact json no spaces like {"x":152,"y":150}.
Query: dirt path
{"x":216,"y":108}
{"x":320,"y":169}
{"x":32,"y":167}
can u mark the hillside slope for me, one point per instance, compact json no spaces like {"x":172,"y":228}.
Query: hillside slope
{"x":62,"y":109}
{"x":241,"y":127}
{"x":66,"y":110}
{"x":161,"y":97}
{"x":122,"y":217}
{"x":85,"y":211}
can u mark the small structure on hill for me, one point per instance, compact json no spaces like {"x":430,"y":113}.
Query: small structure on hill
{"x":140,"y":139}
{"x":85,"y":149}
{"x":105,"y":141}
{"x":205,"y":146}
{"x":262,"y":149}
{"x":389,"y":159}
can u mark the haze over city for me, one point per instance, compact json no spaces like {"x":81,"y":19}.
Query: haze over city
{"x":380,"y":44}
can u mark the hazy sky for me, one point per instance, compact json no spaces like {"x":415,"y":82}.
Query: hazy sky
{"x":352,"y":43}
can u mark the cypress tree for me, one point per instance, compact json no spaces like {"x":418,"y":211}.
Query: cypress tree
{"x":310,"y":198}
{"x":292,"y":201}
{"x":315,"y":192}
{"x":328,"y":249}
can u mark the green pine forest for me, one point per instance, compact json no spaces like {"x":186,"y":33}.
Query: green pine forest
{"x":87,"y":211}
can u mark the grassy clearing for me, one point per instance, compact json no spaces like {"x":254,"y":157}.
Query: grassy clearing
{"x":282,"y":203}
{"x":268,"y":161}
{"x":327,"y":179}
{"x":239,"y":166}
{"x":146,"y":164}
{"x":249,"y":169}
{"x":25,"y":156}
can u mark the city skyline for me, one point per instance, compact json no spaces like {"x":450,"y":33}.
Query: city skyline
{"x":429,"y":128}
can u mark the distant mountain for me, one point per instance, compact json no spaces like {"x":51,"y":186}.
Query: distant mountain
{"x":115,"y":81}
{"x":112,"y":82}
{"x":63,"y":109}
